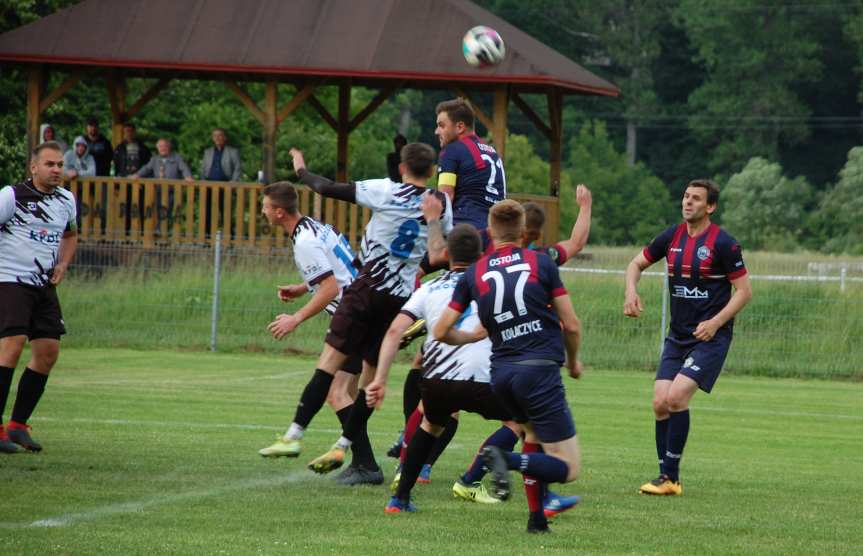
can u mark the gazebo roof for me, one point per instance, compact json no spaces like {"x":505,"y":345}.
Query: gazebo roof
{"x":415,"y":41}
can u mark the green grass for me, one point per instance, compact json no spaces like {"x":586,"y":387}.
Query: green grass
{"x":154,"y":452}
{"x":790,"y":329}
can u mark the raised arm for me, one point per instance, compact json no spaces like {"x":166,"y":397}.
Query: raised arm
{"x":321,"y":185}
{"x":432,"y":208}
{"x":581,"y":229}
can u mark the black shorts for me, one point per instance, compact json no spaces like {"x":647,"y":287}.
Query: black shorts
{"x":30,"y":311}
{"x":442,"y":398}
{"x":360,"y":323}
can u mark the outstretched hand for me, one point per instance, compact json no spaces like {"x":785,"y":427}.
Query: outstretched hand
{"x":298,"y":159}
{"x":432,"y":207}
{"x":583,"y":196}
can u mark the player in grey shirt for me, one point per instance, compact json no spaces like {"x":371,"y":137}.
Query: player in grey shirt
{"x":38,"y":236}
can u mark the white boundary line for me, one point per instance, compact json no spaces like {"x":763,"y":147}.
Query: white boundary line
{"x":135,"y":506}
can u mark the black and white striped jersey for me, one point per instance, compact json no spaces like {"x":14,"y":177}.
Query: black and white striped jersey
{"x":443,"y":361}
{"x":396,"y":237}
{"x":32,"y":224}
{"x":321,"y":251}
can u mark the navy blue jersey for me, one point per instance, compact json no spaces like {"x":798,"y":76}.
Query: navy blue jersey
{"x":700,"y":269}
{"x":514,"y":288}
{"x":557,"y":253}
{"x":475,"y":170}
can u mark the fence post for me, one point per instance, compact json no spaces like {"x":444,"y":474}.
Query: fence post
{"x":664,"y":325}
{"x":842,"y":274}
{"x":217,"y":267}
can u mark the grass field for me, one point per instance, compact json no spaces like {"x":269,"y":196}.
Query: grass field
{"x":790,"y":329}
{"x":154,"y":452}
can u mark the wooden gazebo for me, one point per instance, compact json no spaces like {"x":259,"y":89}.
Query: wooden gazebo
{"x":386,"y":45}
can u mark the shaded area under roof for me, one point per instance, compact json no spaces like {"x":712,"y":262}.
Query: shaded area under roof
{"x":418,"y":41}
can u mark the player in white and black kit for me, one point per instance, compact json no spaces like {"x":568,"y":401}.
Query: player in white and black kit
{"x":328,"y":266}
{"x":393,"y":244}
{"x":38,"y":236}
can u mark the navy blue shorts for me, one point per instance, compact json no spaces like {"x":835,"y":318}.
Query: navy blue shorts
{"x":700,"y":361}
{"x":535,"y":395}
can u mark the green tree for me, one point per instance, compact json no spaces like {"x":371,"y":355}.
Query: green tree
{"x":754,"y":52}
{"x":837,"y":226}
{"x":630,"y":205}
{"x":764,"y":209}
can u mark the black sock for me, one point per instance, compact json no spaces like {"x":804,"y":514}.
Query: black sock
{"x":411,"y":395}
{"x":355,"y":431}
{"x":30,"y":388}
{"x":443,"y":440}
{"x":5,"y":386}
{"x":313,"y":397}
{"x":661,"y":439}
{"x":419,"y":448}
{"x":343,"y":414}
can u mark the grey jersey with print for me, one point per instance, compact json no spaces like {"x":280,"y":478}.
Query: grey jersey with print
{"x":32,"y":224}
{"x":396,"y":237}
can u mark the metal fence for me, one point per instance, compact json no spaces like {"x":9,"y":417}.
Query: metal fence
{"x":804,"y":320}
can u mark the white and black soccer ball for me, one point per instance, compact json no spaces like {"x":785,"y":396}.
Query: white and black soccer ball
{"x":482,"y":47}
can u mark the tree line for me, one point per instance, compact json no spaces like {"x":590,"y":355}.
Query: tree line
{"x":764,"y":97}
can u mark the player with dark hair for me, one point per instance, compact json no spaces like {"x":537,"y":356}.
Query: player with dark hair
{"x":38,"y":237}
{"x":703,"y":262}
{"x":393,"y":244}
{"x":533,"y":328}
{"x":328,"y":266}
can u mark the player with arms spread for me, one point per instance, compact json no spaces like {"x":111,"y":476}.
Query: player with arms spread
{"x":703,"y":262}
{"x":522,"y":304}
{"x":328,"y":266}
{"x":393,"y":244}
{"x":38,"y":237}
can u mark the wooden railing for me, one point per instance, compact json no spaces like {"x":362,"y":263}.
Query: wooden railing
{"x":157,"y":212}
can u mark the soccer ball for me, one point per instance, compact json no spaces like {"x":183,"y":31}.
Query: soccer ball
{"x":482,"y":47}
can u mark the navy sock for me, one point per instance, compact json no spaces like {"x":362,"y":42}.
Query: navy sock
{"x":411,"y":393}
{"x":678,"y":430}
{"x":443,"y":440}
{"x":418,"y":451}
{"x":544,"y":467}
{"x":504,"y":439}
{"x":30,"y":388}
{"x":313,"y":397}
{"x":5,"y":386}
{"x":661,"y":439}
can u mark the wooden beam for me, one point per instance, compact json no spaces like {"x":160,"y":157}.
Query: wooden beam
{"x":555,"y":118}
{"x":247,"y":101}
{"x":61,"y":90}
{"x":325,"y":114}
{"x":343,"y":132}
{"x":480,"y":115}
{"x":116,"y":85}
{"x":501,"y":109}
{"x":301,"y":97}
{"x":379,"y":99}
{"x":149,"y":95}
{"x":531,"y":115}
{"x":35,"y":75}
{"x":270,"y":126}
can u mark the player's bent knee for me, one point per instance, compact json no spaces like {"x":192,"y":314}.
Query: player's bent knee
{"x":11,"y":348}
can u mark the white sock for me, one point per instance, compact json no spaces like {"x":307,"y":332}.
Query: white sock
{"x":343,"y":443}
{"x":295,"y":432}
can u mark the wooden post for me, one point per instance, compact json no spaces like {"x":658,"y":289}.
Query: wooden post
{"x":555,"y":119}
{"x":343,"y":133}
{"x":270,"y":125}
{"x":117,"y":97}
{"x":34,"y":92}
{"x":501,"y":103}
